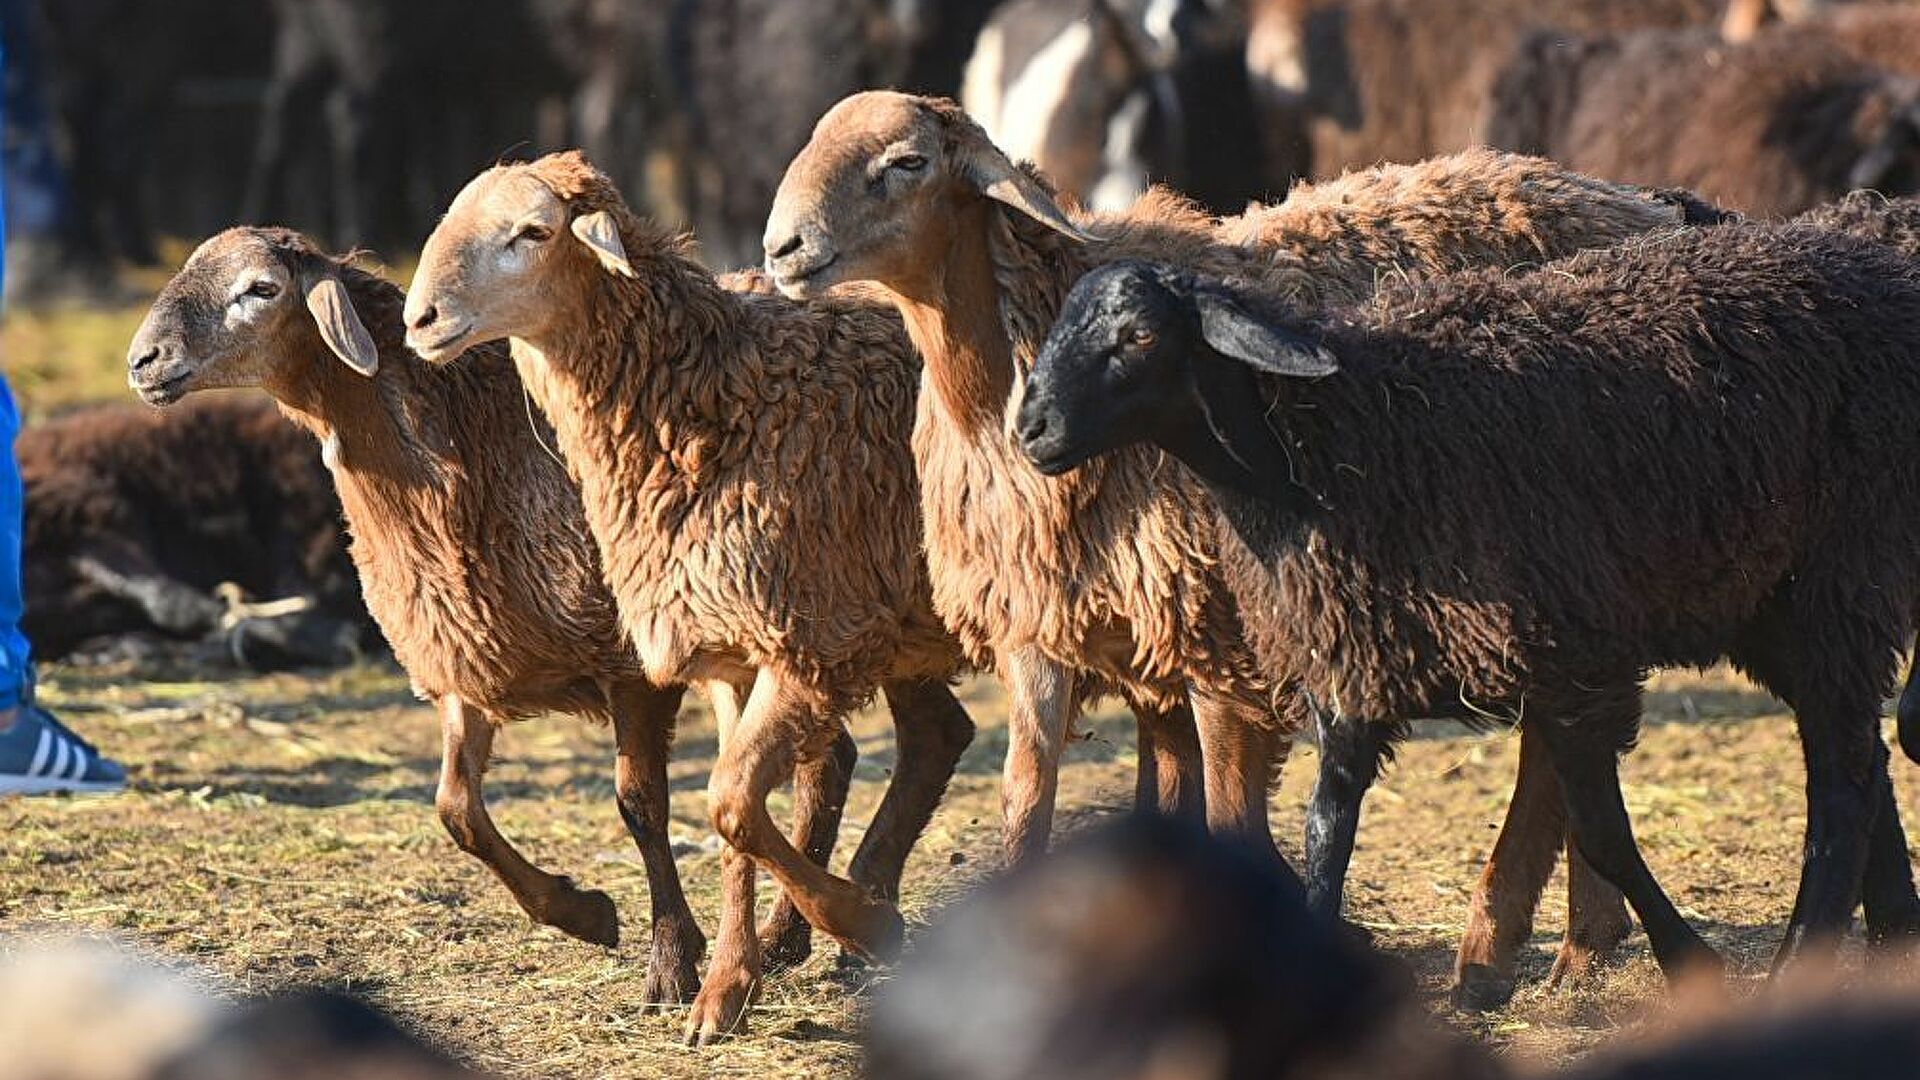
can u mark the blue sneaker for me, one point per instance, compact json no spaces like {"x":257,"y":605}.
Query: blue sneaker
{"x":40,"y":755}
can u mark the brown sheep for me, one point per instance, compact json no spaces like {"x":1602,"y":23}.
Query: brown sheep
{"x":1113,"y":570}
{"x":1785,"y":121}
{"x":1349,"y":83}
{"x":134,"y":520}
{"x":1658,"y":454}
{"x":744,"y":466}
{"x":472,"y":550}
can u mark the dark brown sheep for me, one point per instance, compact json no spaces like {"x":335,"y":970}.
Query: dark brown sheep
{"x":744,"y":467}
{"x":1790,"y":119}
{"x":1504,"y":498}
{"x":472,"y":551}
{"x":134,"y":520}
{"x":1350,"y":83}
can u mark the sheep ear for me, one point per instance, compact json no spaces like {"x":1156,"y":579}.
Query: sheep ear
{"x":1231,"y":330}
{"x":996,"y":177}
{"x":1897,"y":143}
{"x":340,"y":326}
{"x":599,"y":233}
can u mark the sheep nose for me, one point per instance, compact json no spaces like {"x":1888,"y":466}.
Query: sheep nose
{"x":1030,"y":424}
{"x":144,"y":360}
{"x":426,"y":317}
{"x":785,"y":248}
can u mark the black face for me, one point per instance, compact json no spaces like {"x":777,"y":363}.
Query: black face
{"x":1112,"y":371}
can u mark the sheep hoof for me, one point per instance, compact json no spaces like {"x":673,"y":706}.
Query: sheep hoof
{"x":785,"y":941}
{"x":673,"y":971}
{"x":587,"y":914}
{"x":720,"y":1009}
{"x":875,"y":932}
{"x":1481,"y":989}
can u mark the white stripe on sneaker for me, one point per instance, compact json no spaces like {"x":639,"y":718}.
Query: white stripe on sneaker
{"x":60,"y":751}
{"x":41,"y":754}
{"x":79,"y":763}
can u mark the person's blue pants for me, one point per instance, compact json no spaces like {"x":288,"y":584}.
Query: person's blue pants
{"x":16,"y":666}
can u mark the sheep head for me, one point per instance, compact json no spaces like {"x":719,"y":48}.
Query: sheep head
{"x":249,"y":307}
{"x":887,"y":179}
{"x":514,"y":238}
{"x":1121,"y":364}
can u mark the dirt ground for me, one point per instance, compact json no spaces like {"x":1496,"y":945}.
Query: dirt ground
{"x":280,"y":831}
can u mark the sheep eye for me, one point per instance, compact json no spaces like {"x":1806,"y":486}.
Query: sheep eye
{"x":1141,"y":336}
{"x":908,"y":163}
{"x":531,"y":233}
{"x":262,"y":290}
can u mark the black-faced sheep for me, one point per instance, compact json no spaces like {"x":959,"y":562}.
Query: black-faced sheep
{"x":744,"y":466}
{"x":134,"y":521}
{"x":1491,"y":496}
{"x":1112,"y":573}
{"x":472,"y":549}
{"x":1790,"y":119}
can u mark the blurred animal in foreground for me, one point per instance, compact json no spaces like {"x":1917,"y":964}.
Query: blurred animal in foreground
{"x":135,"y":521}
{"x":91,"y":1011}
{"x":1150,"y":949}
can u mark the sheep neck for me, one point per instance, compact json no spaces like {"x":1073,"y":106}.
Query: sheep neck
{"x":609,"y":377}
{"x":367,"y":439}
{"x":953,"y":317}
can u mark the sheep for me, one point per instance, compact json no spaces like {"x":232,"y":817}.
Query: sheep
{"x":1699,"y":426}
{"x":1113,"y":571}
{"x":472,"y":550}
{"x":1790,"y":119}
{"x":1894,"y":222}
{"x":744,"y":467}
{"x":1102,"y":95}
{"x":1348,"y":83}
{"x":134,"y":521}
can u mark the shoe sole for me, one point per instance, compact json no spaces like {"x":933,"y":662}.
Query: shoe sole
{"x":47,"y":785}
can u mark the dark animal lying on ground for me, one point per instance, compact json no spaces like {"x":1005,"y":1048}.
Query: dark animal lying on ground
{"x":1150,"y":949}
{"x":1505,"y":498}
{"x":134,"y":520}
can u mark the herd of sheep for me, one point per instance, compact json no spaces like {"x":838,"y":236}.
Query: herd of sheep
{"x":1483,"y":436}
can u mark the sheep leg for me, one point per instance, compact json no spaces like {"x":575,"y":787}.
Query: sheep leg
{"x":781,"y":718}
{"x":643,"y":719}
{"x":733,"y":979}
{"x":1171,"y":779}
{"x":1585,"y":752}
{"x":1771,"y":650}
{"x":1597,"y":920}
{"x":549,"y":899}
{"x":1837,"y":739}
{"x":1500,"y":916}
{"x":1352,"y":750}
{"x":1892,"y":908}
{"x":1040,"y":705}
{"x":932,"y":730}
{"x":819,"y":799}
{"x":1238,"y":748}
{"x":123,"y":570}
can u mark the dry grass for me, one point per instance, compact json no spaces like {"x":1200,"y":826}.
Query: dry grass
{"x":281,"y":832}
